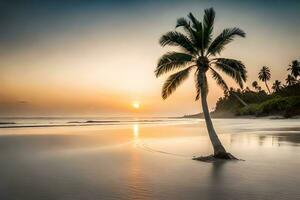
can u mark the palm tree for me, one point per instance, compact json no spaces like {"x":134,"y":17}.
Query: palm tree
{"x":295,"y":68}
{"x":265,"y":75}
{"x":290,"y":80}
{"x":198,"y":54}
{"x":256,"y":86}
{"x":276,"y":86}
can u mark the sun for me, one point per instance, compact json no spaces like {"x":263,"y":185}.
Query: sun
{"x":136,"y":105}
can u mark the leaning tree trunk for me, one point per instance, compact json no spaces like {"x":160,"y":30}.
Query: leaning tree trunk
{"x":219,"y":150}
{"x":239,"y":99}
{"x":267,"y":87}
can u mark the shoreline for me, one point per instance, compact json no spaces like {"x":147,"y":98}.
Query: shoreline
{"x":231,"y":116}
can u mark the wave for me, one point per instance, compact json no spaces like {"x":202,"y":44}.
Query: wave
{"x":48,"y":125}
{"x":88,"y":123}
{"x":118,"y":121}
{"x":93,"y":121}
{"x":7,"y":123}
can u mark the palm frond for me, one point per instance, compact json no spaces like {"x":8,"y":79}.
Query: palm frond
{"x":192,"y":34}
{"x":220,"y":81}
{"x":223,"y":39}
{"x":197,"y":28}
{"x":195,"y":23}
{"x":201,"y":84}
{"x":174,"y":38}
{"x":234,"y":68}
{"x":171,"y":61}
{"x":174,"y":81}
{"x":208,"y":26}
{"x":236,"y":65}
{"x":182,"y":22}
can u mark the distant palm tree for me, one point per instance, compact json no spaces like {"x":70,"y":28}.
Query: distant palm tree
{"x":290,"y":80}
{"x":276,"y":86}
{"x":198,"y":52}
{"x":295,"y":68}
{"x":256,"y":86}
{"x":265,"y":75}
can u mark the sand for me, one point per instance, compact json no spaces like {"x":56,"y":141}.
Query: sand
{"x":151,"y":161}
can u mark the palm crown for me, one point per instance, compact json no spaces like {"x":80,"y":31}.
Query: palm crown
{"x":295,"y":68}
{"x":198,"y":51}
{"x":254,"y":84}
{"x":290,"y":80}
{"x":276,"y":86}
{"x":264,"y":74}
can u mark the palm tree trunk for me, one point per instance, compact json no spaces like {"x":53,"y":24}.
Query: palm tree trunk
{"x":267,"y":87}
{"x":219,"y":150}
{"x":239,"y":99}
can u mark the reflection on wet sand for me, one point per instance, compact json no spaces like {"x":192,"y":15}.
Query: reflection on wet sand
{"x":135,"y":131}
{"x":269,"y":139}
{"x":216,"y":181}
{"x":137,"y":183}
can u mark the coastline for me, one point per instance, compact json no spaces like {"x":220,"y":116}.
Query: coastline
{"x":226,"y":115}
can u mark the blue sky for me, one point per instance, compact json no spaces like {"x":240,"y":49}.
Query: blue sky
{"x":24,"y":20}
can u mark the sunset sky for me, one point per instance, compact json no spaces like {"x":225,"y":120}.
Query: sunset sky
{"x":63,"y":58}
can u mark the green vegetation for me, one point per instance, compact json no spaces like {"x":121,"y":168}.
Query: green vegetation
{"x":286,"y":106}
{"x":284,"y":100}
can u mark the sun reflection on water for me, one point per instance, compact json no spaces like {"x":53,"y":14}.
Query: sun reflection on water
{"x":136,"y":138}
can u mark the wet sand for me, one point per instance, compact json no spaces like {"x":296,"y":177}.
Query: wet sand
{"x":151,"y":161}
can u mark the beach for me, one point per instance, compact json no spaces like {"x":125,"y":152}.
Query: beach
{"x":151,"y":160}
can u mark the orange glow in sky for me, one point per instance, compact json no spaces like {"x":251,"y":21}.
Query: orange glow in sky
{"x":97,"y":63}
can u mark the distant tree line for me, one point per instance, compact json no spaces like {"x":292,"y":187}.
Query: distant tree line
{"x":283,"y":97}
